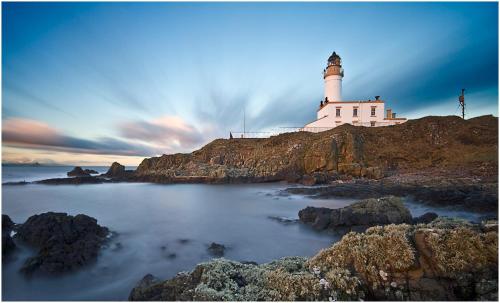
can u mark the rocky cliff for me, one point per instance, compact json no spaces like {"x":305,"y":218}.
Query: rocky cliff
{"x":439,"y":143}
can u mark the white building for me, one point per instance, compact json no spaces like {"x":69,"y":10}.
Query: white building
{"x":333,"y":111}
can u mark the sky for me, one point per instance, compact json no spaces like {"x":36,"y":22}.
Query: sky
{"x":93,"y":83}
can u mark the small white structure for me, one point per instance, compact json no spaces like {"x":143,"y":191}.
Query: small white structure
{"x":333,"y":111}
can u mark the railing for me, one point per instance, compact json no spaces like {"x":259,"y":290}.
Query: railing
{"x":282,"y":130}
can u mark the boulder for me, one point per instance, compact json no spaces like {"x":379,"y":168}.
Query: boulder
{"x":116,"y":170}
{"x":216,"y":250}
{"x":64,"y":242}
{"x":78,"y":172}
{"x":8,"y":244}
{"x":90,"y":171}
{"x":369,"y":212}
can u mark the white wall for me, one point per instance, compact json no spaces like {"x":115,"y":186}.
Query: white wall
{"x":333,"y":88}
{"x":364,"y":117}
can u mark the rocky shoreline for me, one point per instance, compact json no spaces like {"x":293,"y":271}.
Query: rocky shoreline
{"x":443,"y":260}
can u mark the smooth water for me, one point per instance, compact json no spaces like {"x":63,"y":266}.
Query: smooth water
{"x":150,"y":221}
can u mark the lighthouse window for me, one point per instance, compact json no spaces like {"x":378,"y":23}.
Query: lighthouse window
{"x":373,"y":111}
{"x":337,"y":112}
{"x":372,"y":123}
{"x":355,"y":112}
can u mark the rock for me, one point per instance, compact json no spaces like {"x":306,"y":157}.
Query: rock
{"x":142,"y":287}
{"x":369,"y":212}
{"x":423,"y":188}
{"x":78,"y":172}
{"x":428,"y":217}
{"x":116,"y":170}
{"x":216,"y":250}
{"x":65,"y":242}
{"x":183,"y":241}
{"x":354,"y":152}
{"x":308,"y":180}
{"x":437,"y":261}
{"x":8,"y":244}
{"x":90,"y":171}
{"x":284,"y":220}
{"x":73,"y":180}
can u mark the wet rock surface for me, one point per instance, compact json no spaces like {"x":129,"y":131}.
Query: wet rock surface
{"x":443,"y":260}
{"x":8,"y":244}
{"x":369,"y":212}
{"x":64,"y":242}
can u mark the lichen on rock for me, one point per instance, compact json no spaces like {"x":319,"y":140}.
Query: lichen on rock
{"x":436,"y":261}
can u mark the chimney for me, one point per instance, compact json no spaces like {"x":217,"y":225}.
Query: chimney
{"x":377,"y":97}
{"x":389,"y":113}
{"x":393,"y":115}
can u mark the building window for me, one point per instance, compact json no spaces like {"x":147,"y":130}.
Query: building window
{"x":373,"y":111}
{"x":337,"y":111}
{"x":355,"y":112}
{"x":372,"y":123}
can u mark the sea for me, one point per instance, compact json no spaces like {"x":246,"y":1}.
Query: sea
{"x":161,"y":229}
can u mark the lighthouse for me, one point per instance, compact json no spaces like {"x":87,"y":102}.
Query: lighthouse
{"x":332,"y":76}
{"x":333,"y":111}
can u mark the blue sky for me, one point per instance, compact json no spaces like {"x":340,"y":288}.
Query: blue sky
{"x":88,"y":83}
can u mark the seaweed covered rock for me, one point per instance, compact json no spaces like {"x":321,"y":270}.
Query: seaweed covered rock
{"x":443,"y":260}
{"x":8,"y":244}
{"x":65,"y":242}
{"x":369,"y":212}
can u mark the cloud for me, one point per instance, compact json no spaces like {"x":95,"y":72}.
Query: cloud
{"x":26,"y":133}
{"x":168,"y":133}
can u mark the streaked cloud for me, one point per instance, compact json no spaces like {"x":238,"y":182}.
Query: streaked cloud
{"x":26,"y":133}
{"x":168,"y":133}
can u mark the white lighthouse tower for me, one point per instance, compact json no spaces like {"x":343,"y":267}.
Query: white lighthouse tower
{"x":333,"y":111}
{"x":333,"y":75}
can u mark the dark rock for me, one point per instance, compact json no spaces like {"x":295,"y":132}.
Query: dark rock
{"x":216,"y":250}
{"x":78,"y":172}
{"x":16,"y":183}
{"x":90,"y":171}
{"x":116,"y":170}
{"x":284,"y":220}
{"x":369,"y":212}
{"x":239,"y":279}
{"x":74,"y":180}
{"x":65,"y":242}
{"x":428,"y":217}
{"x":428,"y":191}
{"x":172,"y":256}
{"x":144,"y":284}
{"x":183,"y":241}
{"x":8,"y":244}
